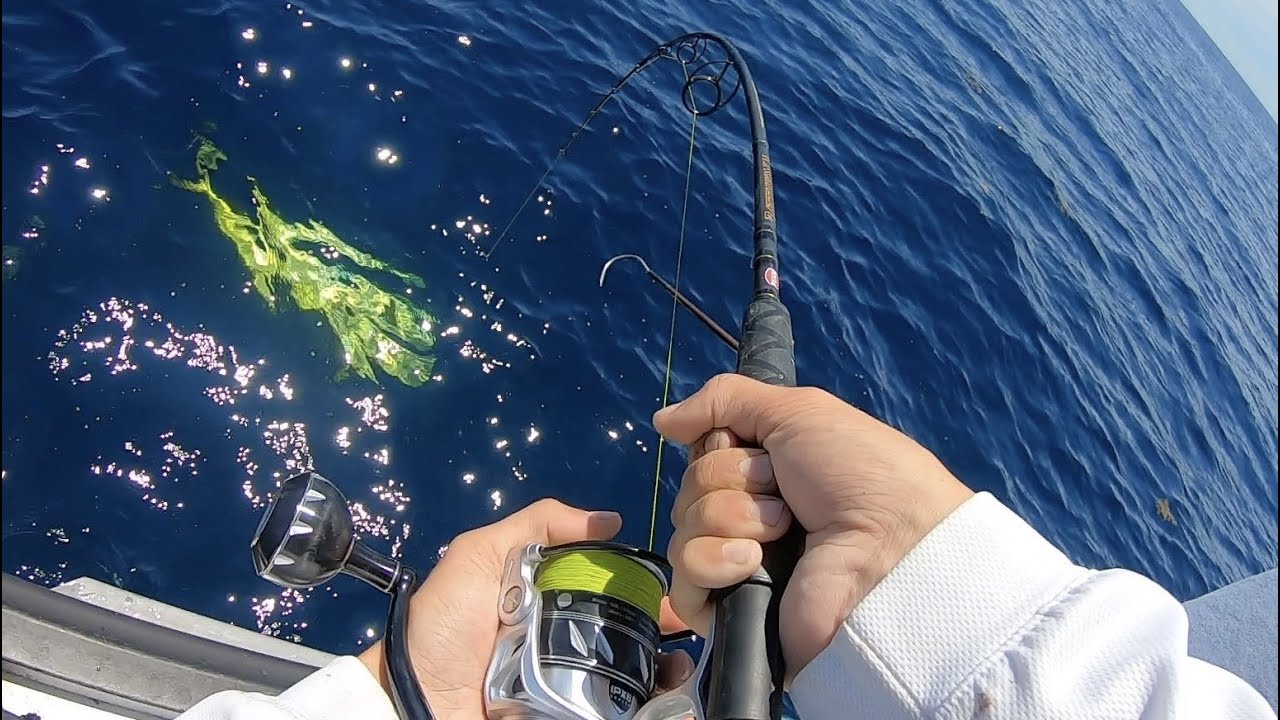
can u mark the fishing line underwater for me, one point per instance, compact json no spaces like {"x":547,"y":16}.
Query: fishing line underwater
{"x":580,"y":634}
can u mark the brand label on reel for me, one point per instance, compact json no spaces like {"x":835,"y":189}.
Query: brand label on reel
{"x":621,"y":698}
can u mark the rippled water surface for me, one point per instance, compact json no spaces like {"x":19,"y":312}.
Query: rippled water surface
{"x":1040,"y":237}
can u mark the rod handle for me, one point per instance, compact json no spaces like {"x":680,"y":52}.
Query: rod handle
{"x":767,"y":350}
{"x":747,"y":669}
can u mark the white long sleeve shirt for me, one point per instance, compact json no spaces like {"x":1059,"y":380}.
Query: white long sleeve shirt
{"x":983,"y":619}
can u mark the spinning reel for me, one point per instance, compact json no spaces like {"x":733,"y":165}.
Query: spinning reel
{"x":579,"y":633}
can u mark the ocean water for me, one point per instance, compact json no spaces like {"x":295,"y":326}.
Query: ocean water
{"x":1040,"y":237}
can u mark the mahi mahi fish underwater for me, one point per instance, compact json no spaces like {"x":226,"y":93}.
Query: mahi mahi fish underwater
{"x":314,"y":269}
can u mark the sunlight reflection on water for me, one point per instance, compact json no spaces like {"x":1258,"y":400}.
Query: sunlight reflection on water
{"x":259,"y":430}
{"x":120,"y":337}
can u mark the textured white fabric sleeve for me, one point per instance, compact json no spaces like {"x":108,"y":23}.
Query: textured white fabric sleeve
{"x":342,"y":690}
{"x":986,"y":619}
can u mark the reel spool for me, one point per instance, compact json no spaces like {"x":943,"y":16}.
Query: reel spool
{"x":580,"y":633}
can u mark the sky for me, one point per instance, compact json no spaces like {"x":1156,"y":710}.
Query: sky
{"x":1245,"y":30}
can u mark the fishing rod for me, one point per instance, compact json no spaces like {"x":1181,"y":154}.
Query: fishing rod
{"x":746,"y":676}
{"x":579,"y":633}
{"x":747,"y":669}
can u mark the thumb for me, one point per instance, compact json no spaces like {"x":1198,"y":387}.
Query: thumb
{"x":552,"y":522}
{"x":734,"y":402}
{"x":547,"y":522}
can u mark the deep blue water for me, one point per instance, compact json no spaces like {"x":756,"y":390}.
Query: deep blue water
{"x":1040,"y":237}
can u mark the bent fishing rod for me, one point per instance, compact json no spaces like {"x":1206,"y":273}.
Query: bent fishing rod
{"x":579,"y":629}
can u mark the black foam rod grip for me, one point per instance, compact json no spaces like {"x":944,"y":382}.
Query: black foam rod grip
{"x":746,"y":662}
{"x":767,"y":351}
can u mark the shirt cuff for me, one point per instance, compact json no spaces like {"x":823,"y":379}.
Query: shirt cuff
{"x":958,"y":597}
{"x":342,"y":689}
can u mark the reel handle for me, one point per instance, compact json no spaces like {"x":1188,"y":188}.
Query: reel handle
{"x":307,"y":537}
{"x":406,"y":693}
{"x":747,"y":668}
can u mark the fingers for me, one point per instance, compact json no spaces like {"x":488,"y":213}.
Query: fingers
{"x":553,"y":523}
{"x":668,"y":621}
{"x":706,"y":563}
{"x":724,"y":511}
{"x":689,"y":601}
{"x":718,"y":439}
{"x":711,"y":563}
{"x":732,"y":402}
{"x":743,"y":469}
{"x":673,"y":669}
{"x":549,"y":522}
{"x":734,"y":514}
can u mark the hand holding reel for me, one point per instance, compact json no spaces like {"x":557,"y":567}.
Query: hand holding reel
{"x":579,"y":633}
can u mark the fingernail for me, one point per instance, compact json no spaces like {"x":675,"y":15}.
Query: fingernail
{"x":687,"y":667}
{"x":757,"y":469}
{"x":604,"y":518}
{"x":768,"y":510}
{"x":717,"y":440}
{"x":674,"y":668}
{"x":739,"y":552}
